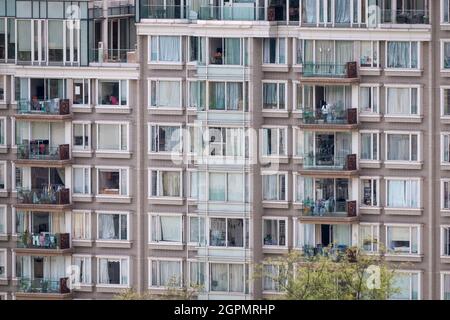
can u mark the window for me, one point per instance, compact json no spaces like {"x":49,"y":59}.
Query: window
{"x":193,"y":184}
{"x":165,"y":138}
{"x":370,"y":192}
{"x":274,"y":50}
{"x":369,"y":146}
{"x":165,"y":183}
{"x":165,"y":94}
{"x":197,"y":230}
{"x":226,"y":96}
{"x":165,"y":273}
{"x":298,"y":51}
{"x":368,"y":99}
{"x":3,"y":265}
{"x":225,"y":142}
{"x":274,"y":232}
{"x":81,"y":180}
{"x":445,"y":54}
{"x":112,"y":182}
{"x":197,"y":274}
{"x":369,"y":54}
{"x":166,"y":229}
{"x":321,"y":56}
{"x":3,"y":175}
{"x":274,"y":186}
{"x":81,"y":92}
{"x":81,"y":225}
{"x":3,"y":212}
{"x":403,"y":239}
{"x":369,"y":234}
{"x":403,"y":193}
{"x":112,"y":226}
{"x":226,"y":51}
{"x":445,"y":16}
{"x":445,"y":147}
{"x":2,"y":131}
{"x":402,"y":54}
{"x":197,"y":95}
{"x":274,"y":96}
{"x":81,"y":136}
{"x":445,"y":286}
{"x":112,"y":92}
{"x":298,"y":138}
{"x":445,"y":194}
{"x":113,"y":271}
{"x":165,"y":49}
{"x":112,"y":136}
{"x":2,"y":78}
{"x":229,"y":187}
{"x":226,"y":277}
{"x":274,"y":141}
{"x":402,"y":147}
{"x":407,"y":286}
{"x":228,"y":232}
{"x":273,"y":277}
{"x":402,"y":101}
{"x":445,"y":101}
{"x":445,"y":240}
{"x":84,"y":269}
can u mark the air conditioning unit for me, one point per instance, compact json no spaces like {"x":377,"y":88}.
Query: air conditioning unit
{"x":100,"y":52}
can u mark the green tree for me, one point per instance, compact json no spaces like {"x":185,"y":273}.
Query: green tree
{"x":331,"y":275}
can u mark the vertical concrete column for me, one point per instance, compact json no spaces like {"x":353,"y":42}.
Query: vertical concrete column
{"x":105,"y":27}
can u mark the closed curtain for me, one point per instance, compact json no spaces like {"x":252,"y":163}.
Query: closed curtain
{"x":398,"y":147}
{"x":104,"y":276}
{"x":170,"y":184}
{"x":270,"y":232}
{"x":169,"y":94}
{"x":399,"y":101}
{"x":217,"y":232}
{"x":236,"y":278}
{"x":342,"y":11}
{"x":234,"y":96}
{"x":169,"y":273}
{"x":299,"y":189}
{"x":398,"y":54}
{"x":366,"y":146}
{"x":270,"y":95}
{"x":108,"y":137}
{"x":401,"y":284}
{"x":232,"y":51}
{"x":344,"y":52}
{"x":446,"y":287}
{"x":270,"y":277}
{"x":270,"y":187}
{"x":78,"y":225}
{"x":325,"y":52}
{"x":169,"y":138}
{"x":343,"y":145}
{"x":309,"y":11}
{"x":219,"y":277}
{"x":217,"y":96}
{"x":235,"y":142}
{"x":54,"y":269}
{"x":108,"y":227}
{"x":169,"y":48}
{"x":197,"y":95}
{"x":281,"y":50}
{"x":235,"y":232}
{"x":235,"y":187}
{"x":341,"y":235}
{"x":335,"y":96}
{"x":170,"y":228}
{"x":58,"y":222}
{"x":217,"y":184}
{"x":403,"y":193}
{"x":447,"y":55}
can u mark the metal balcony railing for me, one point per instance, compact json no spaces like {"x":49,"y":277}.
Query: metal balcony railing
{"x":231,"y":13}
{"x":44,"y":107}
{"x":164,"y":12}
{"x":418,"y":16}
{"x":329,"y":208}
{"x":40,"y":151}
{"x":330,"y":162}
{"x":44,"y":240}
{"x":113,"y":55}
{"x":43,"y":285}
{"x":330,"y":70}
{"x":52,"y":194}
{"x":330,"y":115}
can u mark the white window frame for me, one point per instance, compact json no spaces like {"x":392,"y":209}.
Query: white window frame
{"x":150,"y":93}
{"x":157,"y":215}
{"x":443,"y":228}
{"x":226,"y":173}
{"x":164,"y":124}
{"x":298,"y":138}
{"x":286,"y":226}
{"x":372,"y":133}
{"x":264,"y":143}
{"x":419,"y":280}
{"x":159,"y":171}
{"x":120,"y":124}
{"x":190,"y":284}
{"x":245,"y":229}
{"x":4,"y":251}
{"x":4,"y":163}
{"x":85,"y":88}
{"x":444,"y":274}
{"x":442,"y":90}
{"x":113,"y":168}
{"x":87,"y":131}
{"x":442,"y":202}
{"x":4,"y":133}
{"x":158,"y":61}
{"x":375,"y":44}
{"x":89,"y":183}
{"x":408,"y":179}
{"x":277,"y":265}
{"x":5,"y":219}
{"x":107,"y":106}
{"x":410,"y":133}
{"x":3,"y":79}
{"x":405,"y":225}
{"x":442,"y":51}
{"x":120,"y":213}
{"x":205,"y":234}
{"x":278,"y":174}
{"x":244,"y":265}
{"x":87,"y":267}
{"x":444,"y":135}
{"x":377,"y":190}
{"x":158,"y":272}
{"x":278,"y":83}
{"x":114,"y":258}
{"x":419,"y":56}
{"x":410,"y":87}
{"x":375,"y":237}
{"x":375,"y":95}
{"x":87,"y":224}
{"x":277,"y":51}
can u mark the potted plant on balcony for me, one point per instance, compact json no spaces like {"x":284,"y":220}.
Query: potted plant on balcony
{"x":25,"y":239}
{"x":44,"y":286}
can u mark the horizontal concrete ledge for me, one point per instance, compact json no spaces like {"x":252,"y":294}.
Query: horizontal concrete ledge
{"x":403,"y":165}
{"x":369,"y":210}
{"x":368,"y":164}
{"x":403,"y":73}
{"x":113,"y":244}
{"x":403,"y":211}
{"x":403,"y":258}
{"x":276,"y":205}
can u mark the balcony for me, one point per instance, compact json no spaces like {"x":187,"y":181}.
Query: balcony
{"x":112,"y":56}
{"x":164,"y":12}
{"x":241,"y":12}
{"x":326,"y":165}
{"x":335,"y":252}
{"x":330,"y":118}
{"x":37,"y":153}
{"x":43,"y":243}
{"x":329,"y":211}
{"x":330,"y":73}
{"x":43,"y":289}
{"x":413,"y":17}
{"x":51,"y":198}
{"x":44,"y":110}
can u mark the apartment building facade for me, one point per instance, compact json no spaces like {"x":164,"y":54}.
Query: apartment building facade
{"x":183,"y":142}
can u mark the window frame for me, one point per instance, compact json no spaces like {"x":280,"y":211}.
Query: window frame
{"x":110,"y":169}
{"x":286,"y":182}
{"x":158,"y":271}
{"x":442,"y":201}
{"x":4,"y":252}
{"x":87,"y":225}
{"x":409,"y":68}
{"x":277,"y":51}
{"x":375,"y":95}
{"x":120,"y":214}
{"x":442,"y":54}
{"x":121,"y":259}
{"x":407,"y":179}
{"x":159,"y":170}
{"x":410,"y":133}
{"x":87,"y":132}
{"x":119,"y":106}
{"x":120,"y":124}
{"x":411,"y":227}
{"x":4,"y":163}
{"x":157,"y":215}
{"x":158,"y":61}
{"x":85,"y":168}
{"x":157,"y":94}
{"x":88,"y":89}
{"x":150,"y":126}
{"x":373,"y":145}
{"x":418,"y":102}
{"x":5,"y":219}
{"x":278,"y":83}
{"x":375,"y":237}
{"x":264,"y":143}
{"x":286,"y":232}
{"x":245,"y":232}
{"x":87,"y":267}
{"x":372,"y":179}
{"x":5,"y":132}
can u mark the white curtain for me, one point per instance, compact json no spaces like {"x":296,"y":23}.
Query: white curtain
{"x":108,"y":136}
{"x":270,"y":187}
{"x":170,"y":228}
{"x":234,"y":96}
{"x":325,"y":52}
{"x":237,"y":278}
{"x":366,"y":146}
{"x":107,"y":228}
{"x":169,"y":94}
{"x":398,"y":54}
{"x":270,"y":276}
{"x":78,"y":225}
{"x":270,"y":95}
{"x":402,"y":286}
{"x":235,"y":187}
{"x":309,"y":11}
{"x":270,"y":232}
{"x":169,"y":48}
{"x":218,"y":231}
{"x":217,"y":182}
{"x":170,"y":184}
{"x":104,"y":274}
{"x":342,"y":11}
{"x":232,"y":51}
{"x":305,"y":235}
{"x":398,"y":101}
{"x":446,"y":55}
{"x":281,"y":50}
{"x":217,"y":96}
{"x":403,"y":193}
{"x":341,"y":234}
{"x":343,"y":145}
{"x":344,"y":52}
{"x":398,"y":147}
{"x":235,"y":142}
{"x":169,"y":273}
{"x":219,"y":277}
{"x":299,"y":189}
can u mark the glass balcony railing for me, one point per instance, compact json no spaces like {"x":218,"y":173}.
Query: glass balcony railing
{"x":329,"y":208}
{"x":42,"y":285}
{"x":113,"y":55}
{"x":238,"y":13}
{"x":336,"y":252}
{"x":405,"y":16}
{"x":44,"y":107}
{"x":52,"y":194}
{"x":330,"y":70}
{"x":330,"y":114}
{"x":44,"y":240}
{"x":41,"y":151}
{"x":164,"y":12}
{"x":329,"y":162}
